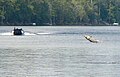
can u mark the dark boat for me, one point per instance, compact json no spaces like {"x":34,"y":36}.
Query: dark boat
{"x":17,"y":31}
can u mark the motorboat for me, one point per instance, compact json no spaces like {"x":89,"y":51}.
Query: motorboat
{"x":17,"y":31}
{"x":91,"y":39}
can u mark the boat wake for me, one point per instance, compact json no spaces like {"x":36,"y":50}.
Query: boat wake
{"x":10,"y":34}
{"x":57,"y":33}
{"x":27,"y":33}
{"x":7,"y":33}
{"x":44,"y":33}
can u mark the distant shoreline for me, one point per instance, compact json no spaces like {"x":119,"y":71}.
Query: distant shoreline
{"x":58,"y":25}
{"x":48,"y":24}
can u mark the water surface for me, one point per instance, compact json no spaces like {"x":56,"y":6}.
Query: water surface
{"x":60,"y":52}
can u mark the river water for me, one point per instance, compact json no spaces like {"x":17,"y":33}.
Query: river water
{"x":60,"y":52}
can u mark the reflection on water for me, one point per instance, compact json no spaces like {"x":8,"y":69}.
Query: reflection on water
{"x":60,"y":52}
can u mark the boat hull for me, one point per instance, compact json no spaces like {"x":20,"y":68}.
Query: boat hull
{"x":18,"y":32}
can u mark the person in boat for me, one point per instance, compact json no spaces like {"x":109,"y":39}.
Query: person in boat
{"x":91,"y":39}
{"x":17,"y":31}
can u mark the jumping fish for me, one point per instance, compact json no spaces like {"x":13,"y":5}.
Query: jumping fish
{"x":91,"y":39}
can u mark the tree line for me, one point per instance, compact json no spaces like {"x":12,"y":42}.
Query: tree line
{"x":59,"y":12}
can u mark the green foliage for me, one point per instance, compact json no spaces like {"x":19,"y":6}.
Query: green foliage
{"x":59,"y":12}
